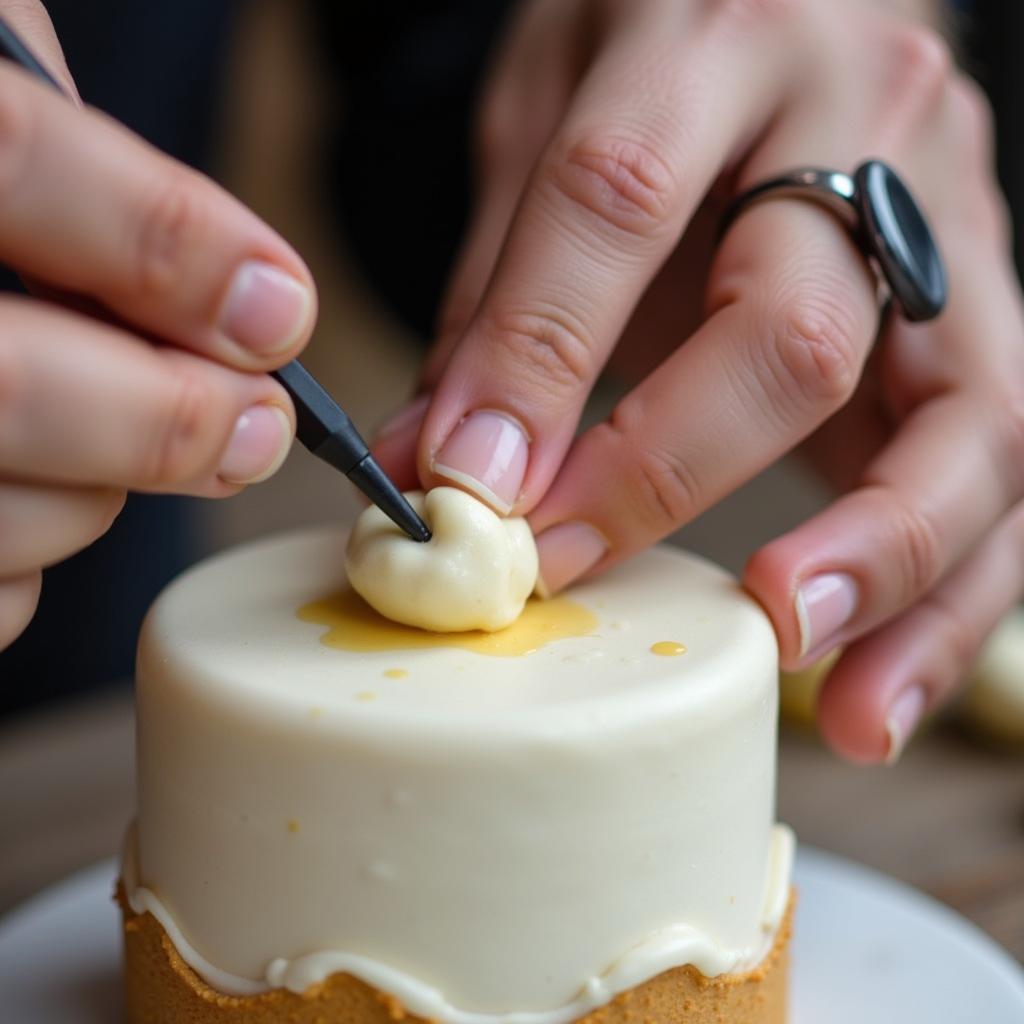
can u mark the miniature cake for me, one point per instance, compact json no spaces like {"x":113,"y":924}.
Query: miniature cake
{"x":346,"y":821}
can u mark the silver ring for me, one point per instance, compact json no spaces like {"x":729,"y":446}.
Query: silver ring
{"x":884,"y":220}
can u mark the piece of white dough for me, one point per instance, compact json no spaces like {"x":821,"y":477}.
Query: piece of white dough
{"x":476,"y":572}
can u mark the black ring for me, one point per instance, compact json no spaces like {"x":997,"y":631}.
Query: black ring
{"x":884,"y":219}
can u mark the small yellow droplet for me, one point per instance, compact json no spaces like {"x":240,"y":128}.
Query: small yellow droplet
{"x":395,"y":673}
{"x":366,"y":695}
{"x":668,"y":648}
{"x":293,"y":826}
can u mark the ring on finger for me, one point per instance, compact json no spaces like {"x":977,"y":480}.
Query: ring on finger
{"x":885,"y":221}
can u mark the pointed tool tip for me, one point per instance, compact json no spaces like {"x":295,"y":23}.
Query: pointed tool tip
{"x":377,"y":486}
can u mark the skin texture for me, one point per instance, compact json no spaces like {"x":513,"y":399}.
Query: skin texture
{"x":611,"y":134}
{"x":158,"y":300}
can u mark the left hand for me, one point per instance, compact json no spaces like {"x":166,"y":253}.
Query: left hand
{"x":612,"y":132}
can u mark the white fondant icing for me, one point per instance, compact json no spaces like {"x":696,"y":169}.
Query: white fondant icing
{"x":476,"y":572}
{"x":550,"y":823}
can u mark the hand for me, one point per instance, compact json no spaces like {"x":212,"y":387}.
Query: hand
{"x":611,"y":135}
{"x":142,"y":248}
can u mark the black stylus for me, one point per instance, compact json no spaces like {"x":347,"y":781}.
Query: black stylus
{"x":325,"y":429}
{"x":322,"y":425}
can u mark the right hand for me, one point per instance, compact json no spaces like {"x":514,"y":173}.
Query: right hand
{"x":148,"y":371}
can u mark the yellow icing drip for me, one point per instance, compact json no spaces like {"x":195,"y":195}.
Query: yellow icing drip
{"x":395,"y":673}
{"x":668,"y":648}
{"x":352,"y":625}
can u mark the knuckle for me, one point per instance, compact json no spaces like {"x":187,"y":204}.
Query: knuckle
{"x":167,"y":224}
{"x":661,"y":484}
{"x":813,"y":350}
{"x":548,"y":345}
{"x":180,"y":447}
{"x":922,"y":61}
{"x":625,"y":184}
{"x":918,"y":542}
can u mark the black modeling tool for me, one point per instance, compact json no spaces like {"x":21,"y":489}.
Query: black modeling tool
{"x":322,"y":425}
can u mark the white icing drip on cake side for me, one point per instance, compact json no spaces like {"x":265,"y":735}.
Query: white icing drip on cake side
{"x":675,"y":946}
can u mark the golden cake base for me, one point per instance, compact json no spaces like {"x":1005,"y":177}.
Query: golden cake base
{"x":160,"y":988}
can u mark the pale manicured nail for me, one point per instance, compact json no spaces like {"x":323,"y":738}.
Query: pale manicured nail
{"x":824,"y":604}
{"x":258,"y":446}
{"x":486,"y":454}
{"x":566,"y":551}
{"x":407,"y":420}
{"x":904,"y":715}
{"x":266,"y":310}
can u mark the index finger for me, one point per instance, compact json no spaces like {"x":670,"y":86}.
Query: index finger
{"x":89,"y":208}
{"x":605,"y":206}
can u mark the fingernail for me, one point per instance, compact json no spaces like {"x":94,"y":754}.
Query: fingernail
{"x":566,"y":551}
{"x":824,"y":604}
{"x":407,"y":420}
{"x":266,"y":309}
{"x":487,"y":455}
{"x":904,"y":715}
{"x":262,"y":439}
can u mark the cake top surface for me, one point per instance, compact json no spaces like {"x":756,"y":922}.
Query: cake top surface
{"x":251,"y":625}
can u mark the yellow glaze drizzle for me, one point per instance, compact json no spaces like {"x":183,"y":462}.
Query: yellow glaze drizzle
{"x":352,"y":625}
{"x":668,"y":648}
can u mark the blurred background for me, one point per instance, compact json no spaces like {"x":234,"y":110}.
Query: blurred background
{"x":345,"y":126}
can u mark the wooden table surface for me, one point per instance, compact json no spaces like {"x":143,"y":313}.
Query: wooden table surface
{"x":949,"y":818}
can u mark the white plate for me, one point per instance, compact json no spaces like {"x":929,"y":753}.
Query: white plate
{"x":867,"y":950}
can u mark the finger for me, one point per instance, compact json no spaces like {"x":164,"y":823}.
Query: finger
{"x":526,"y":94}
{"x":31,"y":21}
{"x":394,"y":444}
{"x":884,"y":684}
{"x":43,"y":525}
{"x":796,"y":315}
{"x":951,"y":472}
{"x":19,"y":596}
{"x":90,"y":208}
{"x":604,"y":208}
{"x":84,"y":403}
